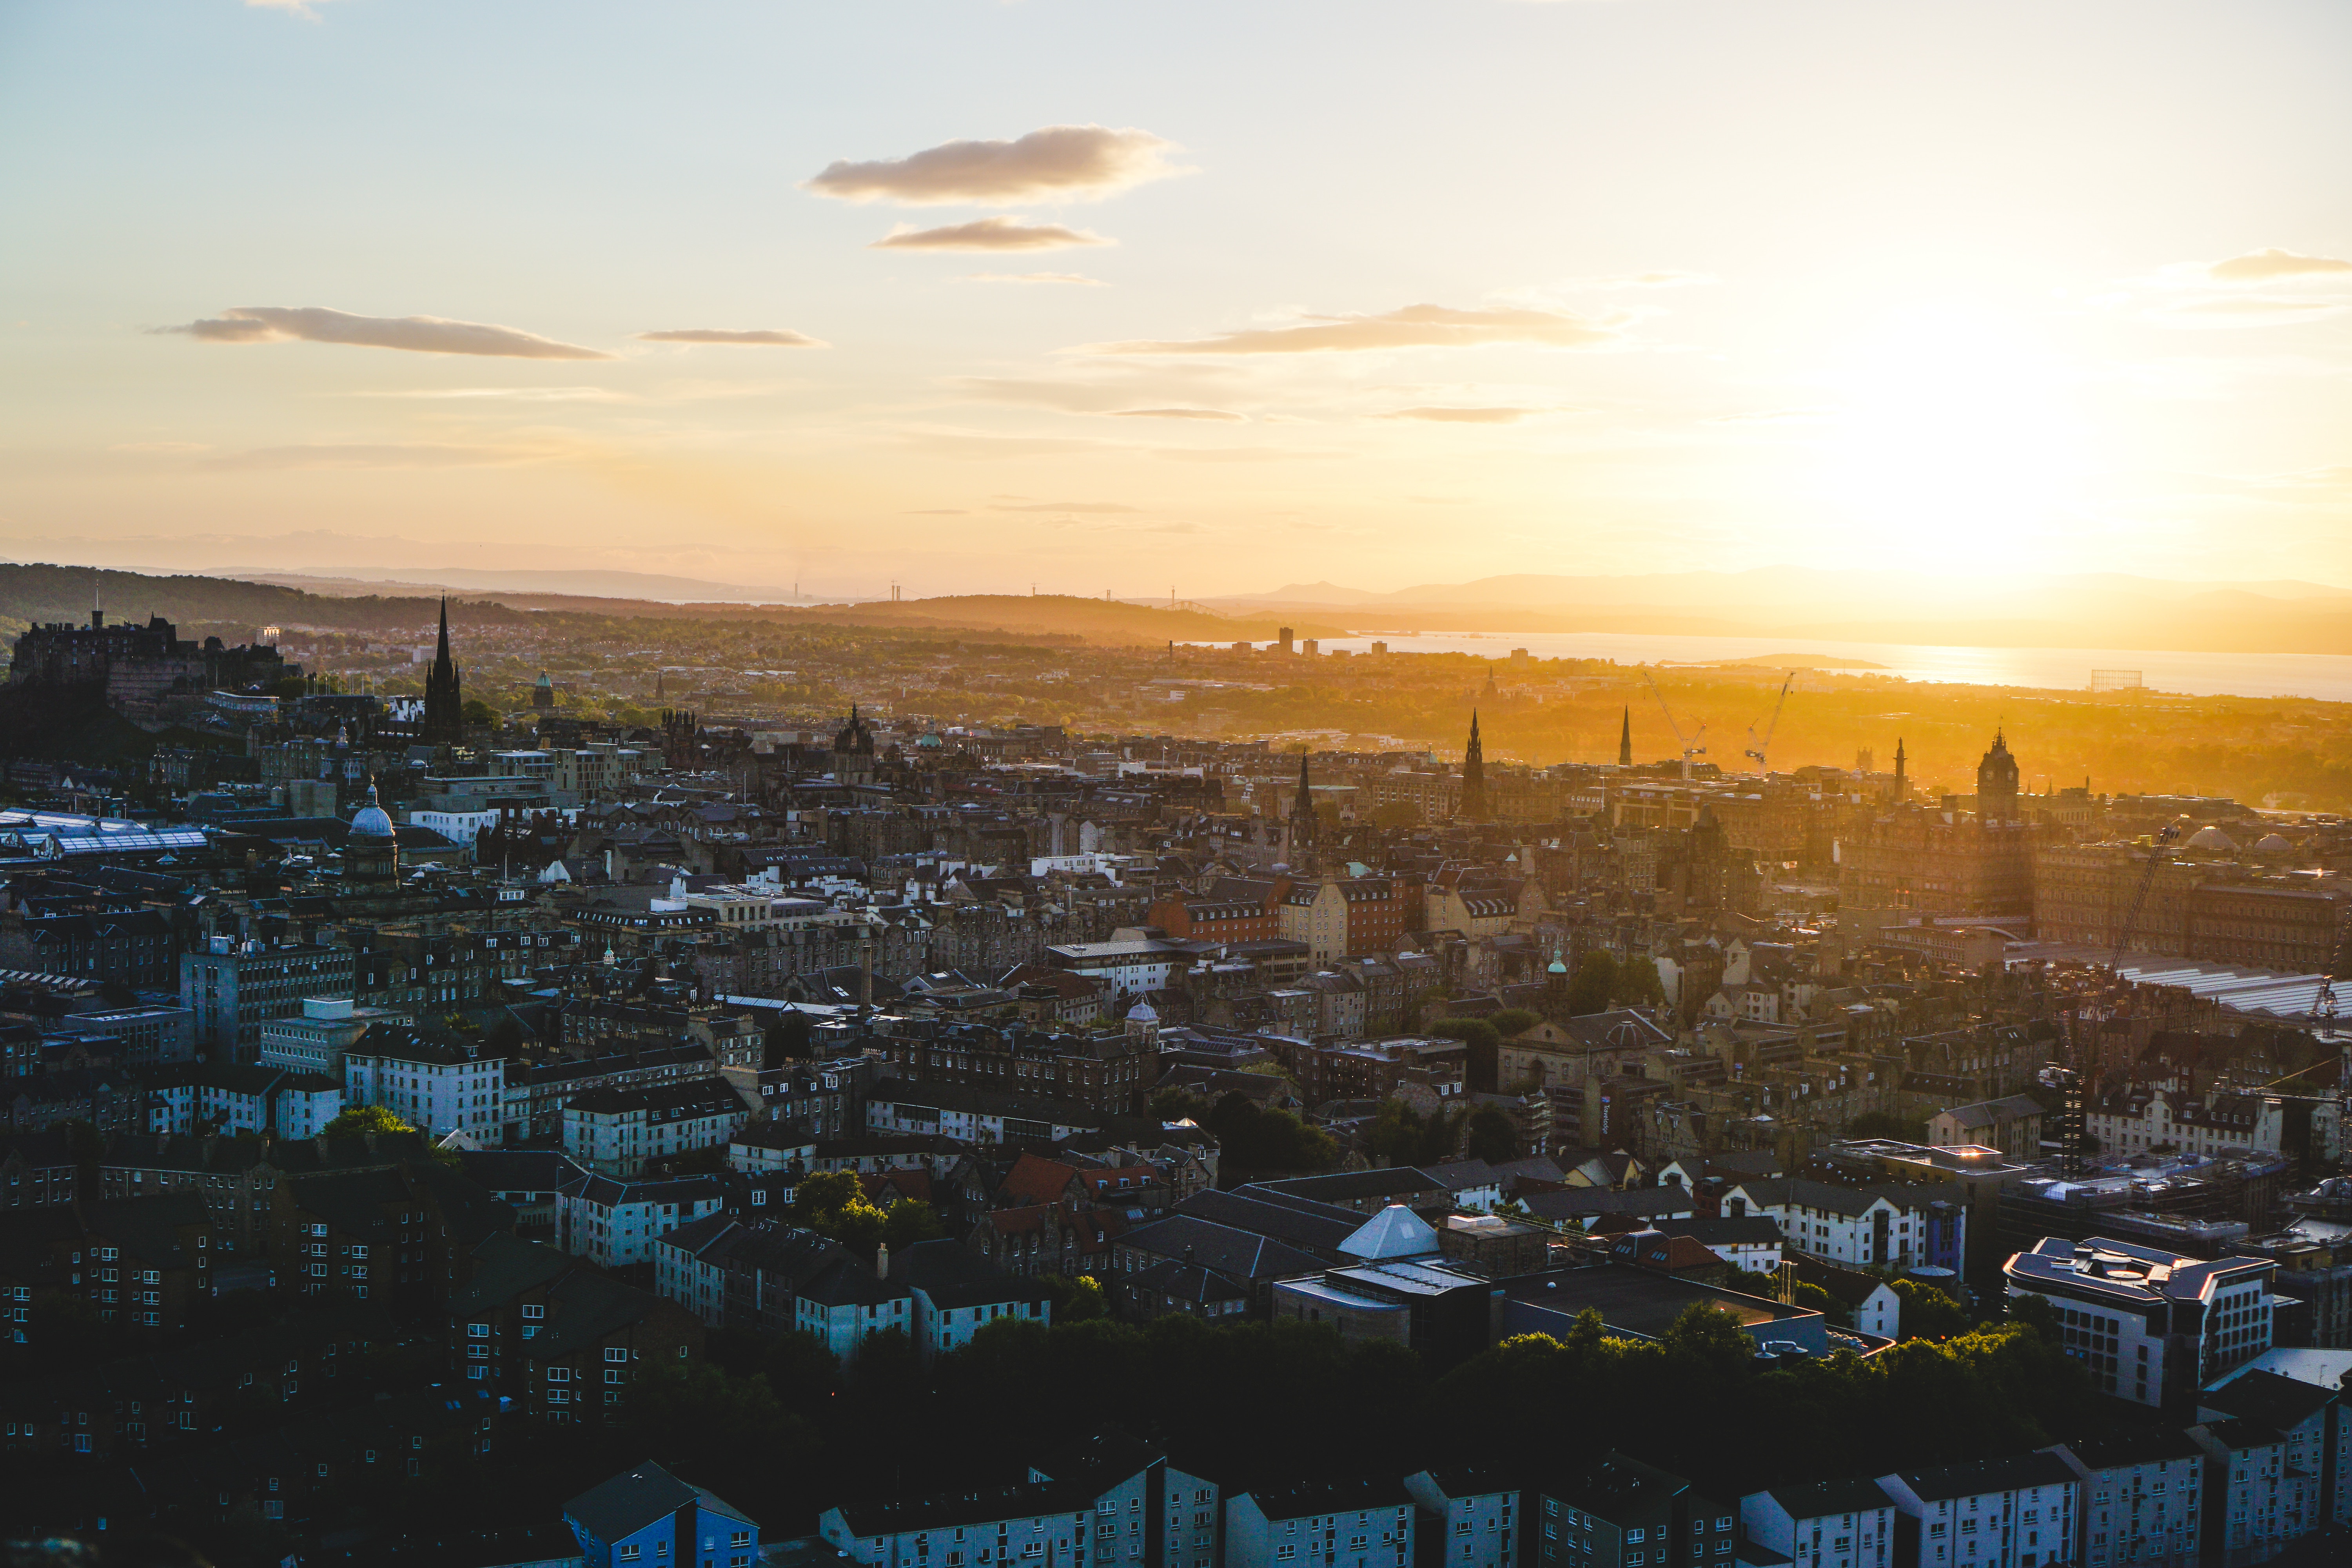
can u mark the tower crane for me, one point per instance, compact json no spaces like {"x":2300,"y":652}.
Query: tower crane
{"x":2157,"y":846}
{"x":1757,"y":748}
{"x":1690,"y":742}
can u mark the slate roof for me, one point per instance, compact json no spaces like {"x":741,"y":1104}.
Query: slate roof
{"x":635,"y":1498}
{"x":2006,"y":1474}
{"x":1815,"y":1499}
{"x":1300,"y":1223}
{"x":1239,"y":1253}
{"x":2268,"y":1398}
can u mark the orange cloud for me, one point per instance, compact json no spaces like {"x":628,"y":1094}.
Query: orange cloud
{"x":1060,"y":162}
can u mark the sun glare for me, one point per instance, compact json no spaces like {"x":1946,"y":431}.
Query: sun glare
{"x":1956,"y":431}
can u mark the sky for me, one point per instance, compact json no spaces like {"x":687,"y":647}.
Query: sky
{"x":969,"y":295}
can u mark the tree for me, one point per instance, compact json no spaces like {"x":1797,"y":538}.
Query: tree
{"x":1492,"y":1135}
{"x":1400,"y":1137}
{"x":1484,"y":1048}
{"x":1258,"y":1139}
{"x":908,"y":1221}
{"x":362,"y":1119}
{"x":1592,"y":985}
{"x":1927,"y":1312}
{"x":1886,"y":1125}
{"x":477,"y":711}
{"x":1075,"y":1300}
{"x":1174,"y":1104}
{"x":1513,"y":1021}
{"x":2035,"y":1312}
{"x":787,"y":1038}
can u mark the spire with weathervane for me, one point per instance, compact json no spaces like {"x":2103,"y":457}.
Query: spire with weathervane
{"x":1625,"y":740}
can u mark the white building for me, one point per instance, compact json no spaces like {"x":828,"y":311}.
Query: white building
{"x":1474,"y":1516}
{"x":2141,"y":1488}
{"x":1137,"y":967}
{"x":315,"y":1039}
{"x":1356,"y":1524}
{"x":969,"y":1115}
{"x":1867,"y":1227}
{"x":2165,"y":1118}
{"x":2016,"y":1513}
{"x":613,"y":1131}
{"x":435,"y":1088}
{"x":2152,"y":1326}
{"x":1824,"y":1524}
{"x":613,"y":1224}
{"x":771,"y":1146}
{"x":2326,"y":1372}
{"x":2259,"y":1499}
{"x":1037,"y":1524}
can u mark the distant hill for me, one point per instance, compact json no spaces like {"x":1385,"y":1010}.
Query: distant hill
{"x":45,"y":593}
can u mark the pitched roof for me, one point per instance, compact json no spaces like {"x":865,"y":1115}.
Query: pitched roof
{"x":635,"y":1498}
{"x":1241,"y":1253}
{"x":1395,"y":1232}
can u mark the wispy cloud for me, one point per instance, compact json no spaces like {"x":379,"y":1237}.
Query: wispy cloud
{"x":1079,"y":279}
{"x":1060,"y":162}
{"x":409,"y":455}
{"x":1465,"y":415}
{"x":1076,"y":507}
{"x":417,"y":334}
{"x":776,"y":338}
{"x":506,"y":394}
{"x":989,"y":234}
{"x":2262,"y":266}
{"x":1414,"y":327}
{"x":301,"y":8}
{"x":1776,"y":416}
{"x":1173,"y":414}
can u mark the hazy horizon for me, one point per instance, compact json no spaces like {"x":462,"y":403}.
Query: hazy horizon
{"x":1207,"y":302}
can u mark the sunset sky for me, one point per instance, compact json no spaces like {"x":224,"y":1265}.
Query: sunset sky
{"x":973,"y":294}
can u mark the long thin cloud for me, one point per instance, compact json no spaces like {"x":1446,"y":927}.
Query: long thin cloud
{"x":762,"y":337}
{"x":417,"y":334}
{"x":989,"y":234}
{"x":1079,"y":279}
{"x":2260,"y":265}
{"x":1414,"y":327}
{"x":1174,"y":414}
{"x":1060,"y":162}
{"x":1464,"y":415}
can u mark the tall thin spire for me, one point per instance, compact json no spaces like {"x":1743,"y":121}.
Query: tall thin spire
{"x":1625,"y":739}
{"x":1473,"y":775}
{"x":1304,"y":826}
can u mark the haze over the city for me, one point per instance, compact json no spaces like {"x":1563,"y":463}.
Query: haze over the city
{"x":1212,"y":299}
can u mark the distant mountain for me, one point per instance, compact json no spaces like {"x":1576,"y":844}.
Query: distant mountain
{"x":585,"y":583}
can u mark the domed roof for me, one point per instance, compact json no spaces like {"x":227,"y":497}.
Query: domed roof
{"x":371,"y":821}
{"x":2273,"y":844}
{"x":2211,"y":837}
{"x":542,"y":680}
{"x":1141,"y":1013}
{"x":1556,"y":967}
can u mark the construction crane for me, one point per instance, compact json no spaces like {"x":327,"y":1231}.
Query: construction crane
{"x":2164,"y":837}
{"x":1757,"y":748}
{"x":1690,"y":742}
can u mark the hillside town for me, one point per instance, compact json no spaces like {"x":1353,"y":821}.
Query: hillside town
{"x":858,"y":1118}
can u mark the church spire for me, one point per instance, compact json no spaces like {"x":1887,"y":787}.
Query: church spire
{"x":1625,"y":739}
{"x":1304,"y":826}
{"x":445,"y":707}
{"x":1473,"y":775}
